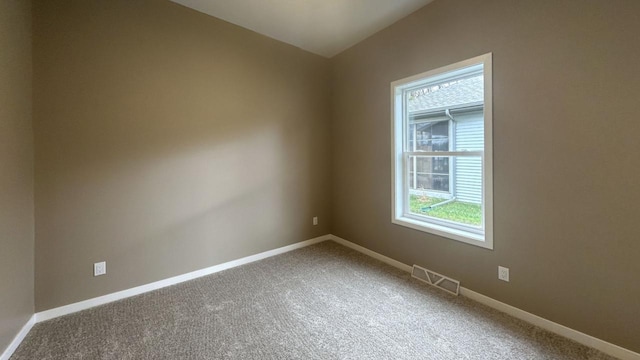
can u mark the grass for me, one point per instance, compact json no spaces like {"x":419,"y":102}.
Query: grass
{"x":458,"y":211}
{"x":417,"y":203}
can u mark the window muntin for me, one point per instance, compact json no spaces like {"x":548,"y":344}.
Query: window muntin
{"x":442,"y":181}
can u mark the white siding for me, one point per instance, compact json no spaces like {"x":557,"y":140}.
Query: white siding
{"x":468,"y":171}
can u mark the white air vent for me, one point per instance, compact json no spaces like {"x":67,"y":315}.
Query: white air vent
{"x":433,"y":278}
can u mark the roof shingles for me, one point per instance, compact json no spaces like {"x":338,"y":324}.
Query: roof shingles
{"x":461,"y":92}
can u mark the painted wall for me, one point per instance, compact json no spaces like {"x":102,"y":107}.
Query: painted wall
{"x":16,"y":170}
{"x":168,"y":141}
{"x":566,"y":147}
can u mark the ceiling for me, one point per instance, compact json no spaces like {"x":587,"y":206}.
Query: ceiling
{"x":323,"y":27}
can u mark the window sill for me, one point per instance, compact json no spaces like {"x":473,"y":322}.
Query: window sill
{"x":454,"y":234}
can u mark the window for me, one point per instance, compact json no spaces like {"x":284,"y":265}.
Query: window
{"x":441,"y":152}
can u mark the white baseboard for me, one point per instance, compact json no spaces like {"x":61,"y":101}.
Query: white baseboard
{"x":575,"y":335}
{"x":588,"y":340}
{"x":18,"y":339}
{"x":373,"y":254}
{"x":86,"y":304}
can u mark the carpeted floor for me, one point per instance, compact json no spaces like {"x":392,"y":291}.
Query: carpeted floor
{"x":321,"y":302}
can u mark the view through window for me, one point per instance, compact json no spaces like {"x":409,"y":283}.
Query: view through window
{"x":441,"y":165}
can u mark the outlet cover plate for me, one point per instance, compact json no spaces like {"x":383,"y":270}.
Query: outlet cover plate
{"x":503,"y":273}
{"x":100,"y":268}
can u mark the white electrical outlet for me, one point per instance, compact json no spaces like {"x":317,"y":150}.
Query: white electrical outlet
{"x":100,"y":268}
{"x":315,"y":220}
{"x":503,"y":273}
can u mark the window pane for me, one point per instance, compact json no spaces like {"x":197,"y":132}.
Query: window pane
{"x":446,"y":188}
{"x":428,"y":136}
{"x":433,"y":182}
{"x":447,"y":94}
{"x":429,"y":173}
{"x":469,"y":131}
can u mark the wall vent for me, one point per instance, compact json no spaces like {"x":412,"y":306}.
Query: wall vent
{"x":433,"y":278}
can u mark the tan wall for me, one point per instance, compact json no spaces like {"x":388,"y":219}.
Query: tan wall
{"x":566,"y":146}
{"x":168,"y":141}
{"x":16,"y":170}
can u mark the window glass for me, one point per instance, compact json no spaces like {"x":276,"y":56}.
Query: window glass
{"x":441,"y":170}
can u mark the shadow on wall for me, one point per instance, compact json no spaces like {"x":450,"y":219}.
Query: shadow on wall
{"x":249,"y":202}
{"x":168,"y":143}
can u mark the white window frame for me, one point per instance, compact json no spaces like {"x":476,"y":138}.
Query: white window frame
{"x":399,"y":158}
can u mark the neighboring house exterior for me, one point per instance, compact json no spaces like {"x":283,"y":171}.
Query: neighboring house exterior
{"x":447,"y":117}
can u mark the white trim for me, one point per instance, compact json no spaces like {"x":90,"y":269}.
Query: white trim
{"x":449,"y":232}
{"x":487,"y":159}
{"x":400,"y":214}
{"x":101,"y":300}
{"x":579,"y":337}
{"x":575,"y":335}
{"x":373,"y":254}
{"x":18,"y":339}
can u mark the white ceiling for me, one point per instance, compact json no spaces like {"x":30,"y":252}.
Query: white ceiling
{"x":323,"y":27}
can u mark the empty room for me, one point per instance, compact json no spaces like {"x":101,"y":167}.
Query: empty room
{"x":319,"y":179}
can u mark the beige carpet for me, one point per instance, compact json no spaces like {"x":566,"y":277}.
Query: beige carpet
{"x":320,"y":302}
